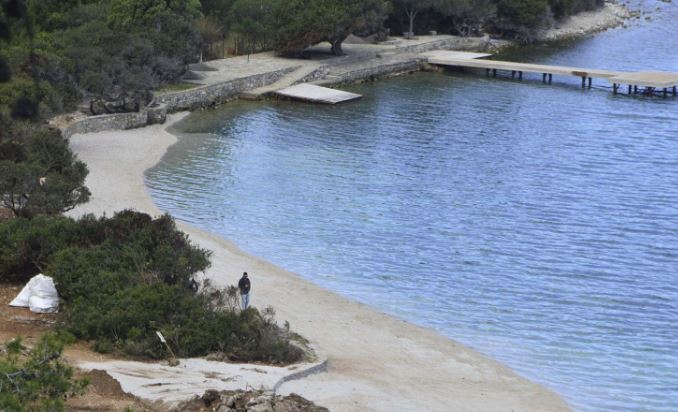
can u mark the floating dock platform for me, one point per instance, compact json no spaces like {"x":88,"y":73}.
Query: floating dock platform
{"x":316,"y":94}
{"x":645,"y":81}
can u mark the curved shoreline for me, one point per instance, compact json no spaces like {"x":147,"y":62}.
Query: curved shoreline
{"x":376,"y":362}
{"x":609,"y":16}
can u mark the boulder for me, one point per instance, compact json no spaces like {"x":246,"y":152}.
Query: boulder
{"x":210,"y":396}
{"x":157,"y":115}
{"x":263,"y":403}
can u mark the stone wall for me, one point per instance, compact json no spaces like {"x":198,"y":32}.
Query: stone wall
{"x":117,"y":121}
{"x":448,"y":43}
{"x":210,"y":95}
{"x":372,"y":72}
{"x":191,"y":99}
{"x":402,"y":60}
{"x":317,"y":74}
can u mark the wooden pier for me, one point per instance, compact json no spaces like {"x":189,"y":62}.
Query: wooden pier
{"x":646,"y":82}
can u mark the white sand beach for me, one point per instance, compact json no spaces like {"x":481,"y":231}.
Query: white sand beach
{"x":375,"y":362}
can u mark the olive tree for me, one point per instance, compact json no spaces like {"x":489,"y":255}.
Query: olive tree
{"x":468,"y":16}
{"x":298,"y":24}
{"x":39,"y":174}
{"x":412,"y":8}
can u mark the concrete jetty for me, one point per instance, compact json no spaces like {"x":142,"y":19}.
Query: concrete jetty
{"x":646,"y":81}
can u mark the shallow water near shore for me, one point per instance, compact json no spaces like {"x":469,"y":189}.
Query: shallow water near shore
{"x":535,"y":223}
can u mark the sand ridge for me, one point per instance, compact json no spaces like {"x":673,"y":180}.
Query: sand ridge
{"x":375,"y":362}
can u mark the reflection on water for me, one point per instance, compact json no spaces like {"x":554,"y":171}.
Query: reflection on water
{"x":535,"y":223}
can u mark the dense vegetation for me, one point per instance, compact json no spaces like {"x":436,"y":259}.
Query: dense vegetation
{"x":123,"y":278}
{"x":38,"y":172}
{"x":89,"y":48}
{"x":36,"y":379}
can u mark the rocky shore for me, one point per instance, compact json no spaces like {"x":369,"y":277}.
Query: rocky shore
{"x":611,"y":15}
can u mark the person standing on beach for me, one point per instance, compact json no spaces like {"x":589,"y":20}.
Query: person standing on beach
{"x":244,"y":286}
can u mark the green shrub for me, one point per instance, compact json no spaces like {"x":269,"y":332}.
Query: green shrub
{"x":46,"y":178}
{"x":123,"y":278}
{"x":38,"y":381}
{"x":27,"y":245}
{"x":129,"y":241}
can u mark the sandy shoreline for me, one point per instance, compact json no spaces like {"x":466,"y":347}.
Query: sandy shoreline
{"x":375,"y":362}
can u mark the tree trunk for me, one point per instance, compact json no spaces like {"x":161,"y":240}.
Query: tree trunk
{"x":337,"y":49}
{"x":412,"y":15}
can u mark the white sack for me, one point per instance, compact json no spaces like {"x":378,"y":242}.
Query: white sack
{"x":39,"y":295}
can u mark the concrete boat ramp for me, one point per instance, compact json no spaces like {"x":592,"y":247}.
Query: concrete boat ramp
{"x":292,"y":86}
{"x":647,"y":82}
{"x":316,"y":94}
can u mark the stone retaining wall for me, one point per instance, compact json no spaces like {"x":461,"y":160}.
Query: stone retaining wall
{"x":372,"y":72}
{"x":402,"y":64}
{"x":117,"y":121}
{"x":206,"y":96}
{"x":448,"y":43}
{"x":191,"y":99}
{"x":317,"y":74}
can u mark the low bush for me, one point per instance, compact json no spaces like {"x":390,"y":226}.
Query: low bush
{"x":39,"y":174}
{"x":37,"y":379}
{"x":128,"y":242}
{"x":124,"y":278}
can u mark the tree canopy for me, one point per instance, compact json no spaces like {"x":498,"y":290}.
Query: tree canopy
{"x":38,"y":172}
{"x":298,"y":24}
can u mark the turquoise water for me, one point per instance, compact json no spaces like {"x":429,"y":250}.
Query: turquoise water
{"x":537,"y":224}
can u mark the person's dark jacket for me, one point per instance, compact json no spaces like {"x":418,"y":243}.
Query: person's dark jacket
{"x":244,"y":286}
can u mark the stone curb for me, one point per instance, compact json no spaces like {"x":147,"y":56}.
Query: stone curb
{"x":320,"y":367}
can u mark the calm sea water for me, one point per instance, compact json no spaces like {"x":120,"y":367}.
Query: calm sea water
{"x":537,"y":224}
